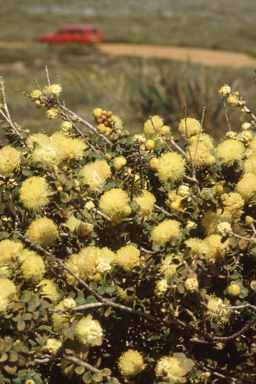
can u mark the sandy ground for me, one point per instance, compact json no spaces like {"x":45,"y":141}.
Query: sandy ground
{"x":195,"y":55}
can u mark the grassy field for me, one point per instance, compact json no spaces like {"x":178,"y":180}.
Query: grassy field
{"x":132,"y":88}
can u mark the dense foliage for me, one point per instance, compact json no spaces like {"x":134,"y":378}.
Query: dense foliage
{"x":126,"y":259}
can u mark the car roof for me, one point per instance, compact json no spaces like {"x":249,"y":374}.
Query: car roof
{"x":82,"y":26}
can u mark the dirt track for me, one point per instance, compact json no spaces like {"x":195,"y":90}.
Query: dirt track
{"x":195,"y":55}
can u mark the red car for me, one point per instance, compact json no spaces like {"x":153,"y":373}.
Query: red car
{"x":83,"y":34}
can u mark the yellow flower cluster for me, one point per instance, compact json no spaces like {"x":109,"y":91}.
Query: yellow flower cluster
{"x":128,"y":257}
{"x":189,"y":127}
{"x":107,"y":122}
{"x":247,"y":187}
{"x":161,"y":288}
{"x":7,"y":287}
{"x":52,"y":114}
{"x":9,"y":160}
{"x":230,"y":151}
{"x":146,"y":202}
{"x":113,"y":202}
{"x":169,"y":265}
{"x":33,"y":268}
{"x":53,"y":345}
{"x":154,"y":125}
{"x":56,"y":149}
{"x":61,"y":320}
{"x":169,"y":366}
{"x":43,"y":231}
{"x":198,"y":152}
{"x":211,"y":220}
{"x":95,"y":175}
{"x":171,"y":167}
{"x":88,"y":262}
{"x":89,"y":331}
{"x":165,"y":231}
{"x":49,"y":290}
{"x":34,"y":192}
{"x":233,"y":203}
{"x":191,"y":284}
{"x":9,"y":254}
{"x":55,"y":89}
{"x":212,"y":249}
{"x":216,"y":311}
{"x":130,"y":363}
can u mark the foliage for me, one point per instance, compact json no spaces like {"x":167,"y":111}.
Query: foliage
{"x":117,"y":253}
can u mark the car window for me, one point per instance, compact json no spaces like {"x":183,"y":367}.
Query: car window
{"x":93,"y":30}
{"x":61,"y":31}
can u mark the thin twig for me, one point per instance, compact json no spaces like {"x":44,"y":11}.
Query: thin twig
{"x":225,"y":110}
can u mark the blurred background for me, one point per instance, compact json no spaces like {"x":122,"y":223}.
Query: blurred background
{"x":132,"y":87}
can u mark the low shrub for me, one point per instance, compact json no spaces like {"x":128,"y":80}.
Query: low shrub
{"x":126,"y":258}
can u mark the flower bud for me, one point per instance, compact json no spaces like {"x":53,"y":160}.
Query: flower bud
{"x":234,"y":290}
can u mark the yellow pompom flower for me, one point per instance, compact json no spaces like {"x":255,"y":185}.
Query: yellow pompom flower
{"x":53,"y":346}
{"x":89,"y":331}
{"x":230,"y":151}
{"x":9,"y":254}
{"x":95,"y":175}
{"x":165,"y":231}
{"x":130,"y":363}
{"x":55,"y":89}
{"x":66,"y":126}
{"x":189,"y":127}
{"x":169,"y":366}
{"x":198,"y":247}
{"x":218,"y":249}
{"x":52,"y":114}
{"x":200,"y":154}
{"x":152,"y":125}
{"x":146,"y":202}
{"x":171,"y":167}
{"x":225,"y":90}
{"x":128,"y":257}
{"x":161,"y":288}
{"x":35,"y":95}
{"x":34,"y":192}
{"x":43,"y":231}
{"x":233,"y":203}
{"x":232,"y":101}
{"x":169,"y":265}
{"x":216,"y":310}
{"x":88,"y":262}
{"x":37,"y":138}
{"x":9,"y":160}
{"x":7,"y":287}
{"x":113,"y":201}
{"x":250,"y":164}
{"x":211,"y":220}
{"x":61,"y":320}
{"x":247,"y":187}
{"x":33,"y":268}
{"x":191,"y":284}
{"x":49,"y":290}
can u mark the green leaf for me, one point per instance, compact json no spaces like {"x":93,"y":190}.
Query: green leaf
{"x":26,"y":296}
{"x":16,"y":381}
{"x":93,"y":285}
{"x":110,"y":289}
{"x":64,"y":197}
{"x":113,"y":380}
{"x":101,"y":290}
{"x":108,"y":311}
{"x":106,"y":372}
{"x":21,"y":325}
{"x":15,"y":192}
{"x":3,"y":357}
{"x":156,"y":248}
{"x":21,"y":361}
{"x":9,"y":369}
{"x":79,"y":370}
{"x":80,"y":301}
{"x":27,"y":316}
{"x":13,"y":356}
{"x":97,"y":377}
{"x":26,"y":172}
{"x":87,"y":377}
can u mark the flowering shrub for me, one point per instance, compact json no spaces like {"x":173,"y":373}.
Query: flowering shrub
{"x":126,"y":259}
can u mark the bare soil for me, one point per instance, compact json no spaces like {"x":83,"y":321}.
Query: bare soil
{"x":203,"y":56}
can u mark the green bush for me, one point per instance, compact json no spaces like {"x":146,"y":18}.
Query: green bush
{"x":126,"y":259}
